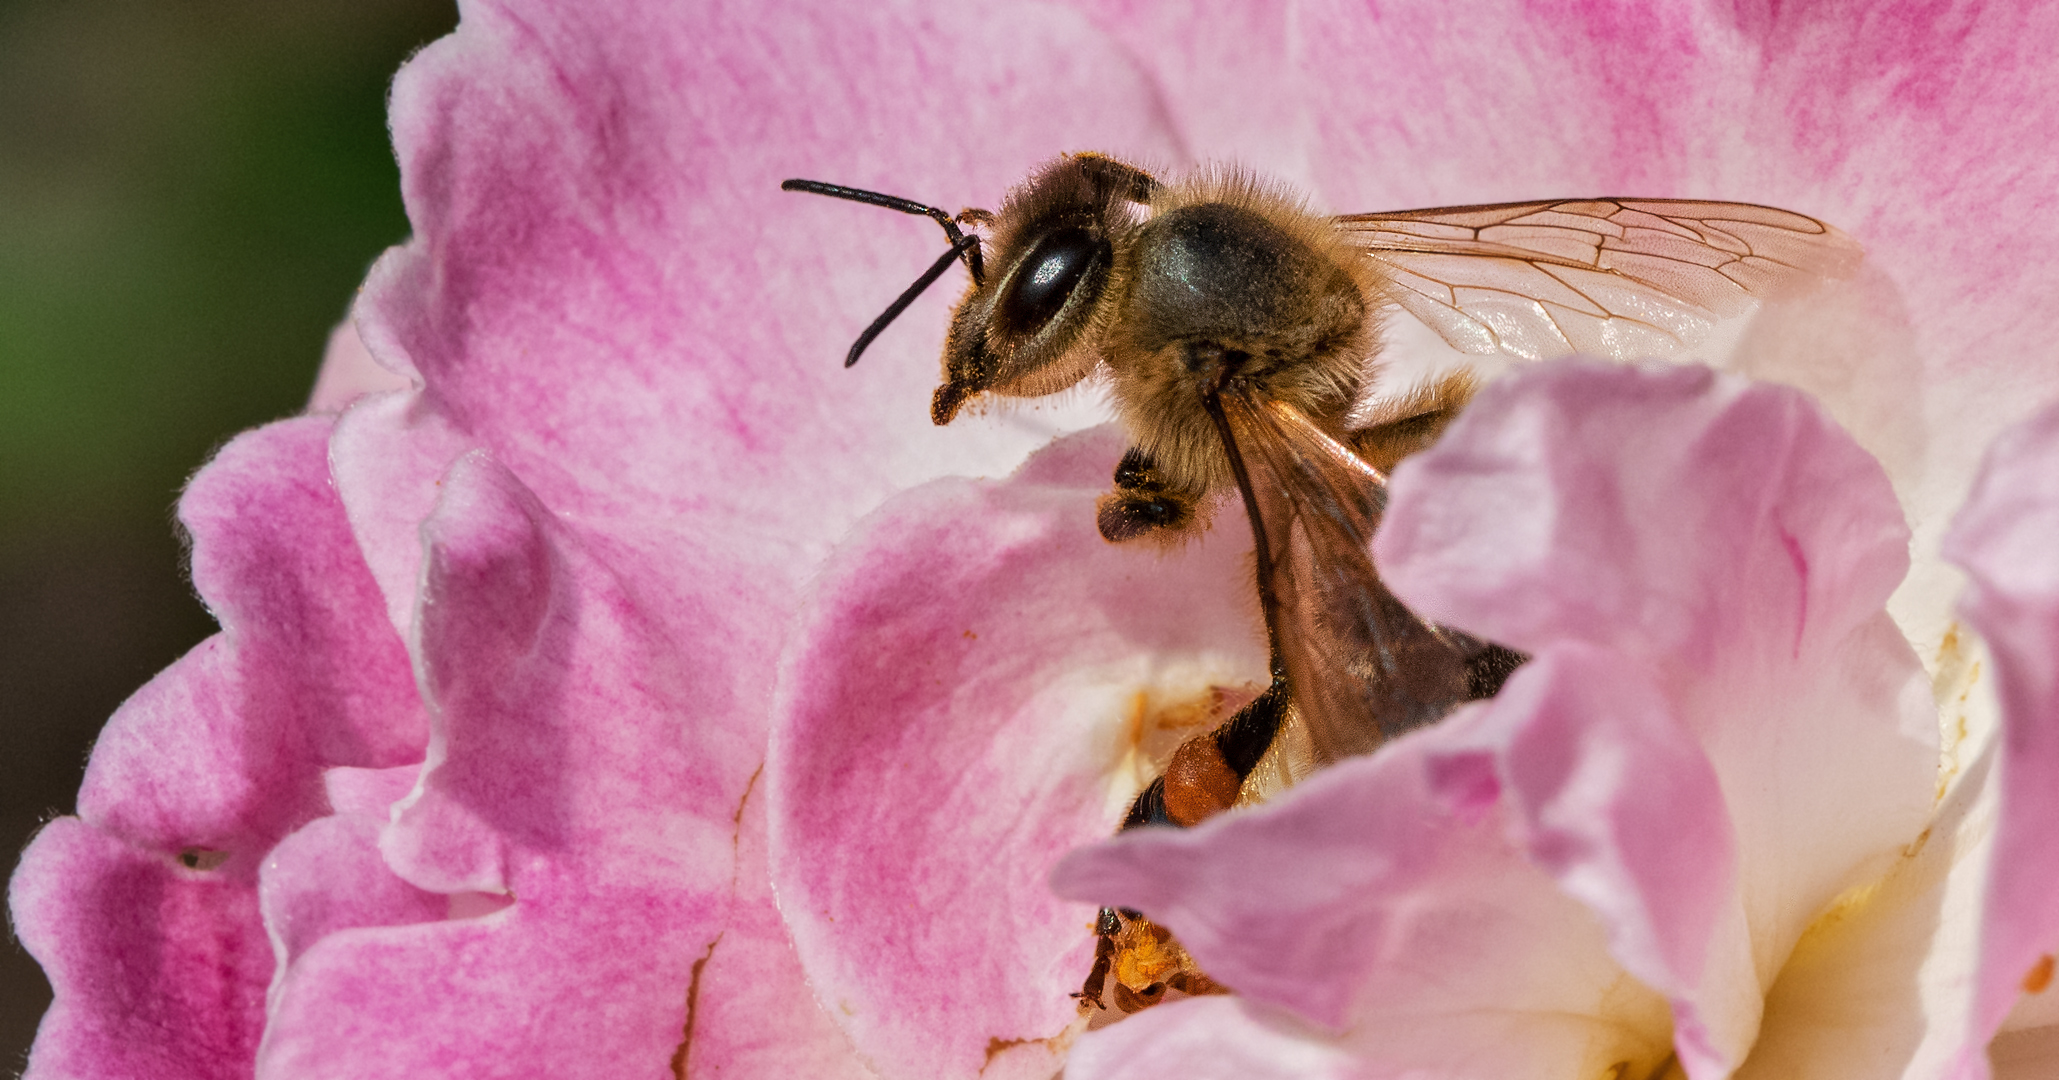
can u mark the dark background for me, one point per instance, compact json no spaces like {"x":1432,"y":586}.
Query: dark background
{"x":190,"y":190}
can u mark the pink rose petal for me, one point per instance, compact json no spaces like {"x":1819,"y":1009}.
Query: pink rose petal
{"x":349,"y":372}
{"x":224,"y":749}
{"x":557,"y":781}
{"x":1719,"y":732}
{"x":158,"y":970}
{"x":328,"y":877}
{"x":1205,"y":1037}
{"x":1733,"y":542}
{"x":2007,"y":538}
{"x":1619,"y":804}
{"x":952,"y":720}
{"x":211,"y":763}
{"x":1411,"y":930}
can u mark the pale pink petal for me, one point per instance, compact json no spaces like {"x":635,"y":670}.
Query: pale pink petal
{"x":348,"y":373}
{"x":1880,"y":984}
{"x":1732,"y":542}
{"x":1619,"y":804}
{"x":961,"y":706}
{"x":2007,"y":539}
{"x":1207,"y":1037}
{"x":1383,"y":901}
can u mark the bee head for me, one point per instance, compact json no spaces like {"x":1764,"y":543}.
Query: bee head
{"x":1031,"y":329}
{"x":1025,"y":331}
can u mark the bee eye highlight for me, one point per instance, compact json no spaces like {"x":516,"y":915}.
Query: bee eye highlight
{"x":1048,"y":276}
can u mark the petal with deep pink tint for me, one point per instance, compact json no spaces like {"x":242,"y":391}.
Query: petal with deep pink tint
{"x":224,"y":749}
{"x":559,"y":809}
{"x":328,"y":877}
{"x":158,"y":970}
{"x":210,"y":764}
{"x":967,"y":699}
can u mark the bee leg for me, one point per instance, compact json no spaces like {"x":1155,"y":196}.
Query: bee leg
{"x":1488,"y":669}
{"x":1142,"y":502}
{"x":1207,"y":771}
{"x":1203,"y":779}
{"x":1106,"y":925}
{"x":1131,"y":1001}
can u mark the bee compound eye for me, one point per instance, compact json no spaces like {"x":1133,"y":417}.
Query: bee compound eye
{"x":1054,"y":267}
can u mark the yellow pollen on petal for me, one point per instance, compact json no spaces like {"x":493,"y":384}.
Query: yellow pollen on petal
{"x":1956,"y":678}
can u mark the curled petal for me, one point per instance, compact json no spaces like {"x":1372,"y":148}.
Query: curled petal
{"x":349,"y":372}
{"x":159,"y":970}
{"x":145,"y":911}
{"x":1207,"y":1037}
{"x":1731,"y":541}
{"x":228,"y":744}
{"x":329,"y":877}
{"x":1618,"y":803}
{"x":2005,"y":539}
{"x":1383,"y":901}
{"x":561,"y":819}
{"x":964,"y":703}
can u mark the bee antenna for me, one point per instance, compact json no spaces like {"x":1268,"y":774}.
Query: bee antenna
{"x":906,"y":206}
{"x":929,"y":277}
{"x":963,"y":245}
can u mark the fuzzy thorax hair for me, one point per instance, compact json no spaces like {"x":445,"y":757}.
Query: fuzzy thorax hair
{"x":1231,"y":282}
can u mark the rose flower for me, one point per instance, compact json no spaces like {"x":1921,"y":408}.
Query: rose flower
{"x":609,"y":686}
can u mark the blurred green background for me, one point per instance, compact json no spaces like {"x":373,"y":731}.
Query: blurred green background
{"x":189,"y":193}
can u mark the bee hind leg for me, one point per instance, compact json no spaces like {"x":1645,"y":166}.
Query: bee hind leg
{"x":1143,"y":503}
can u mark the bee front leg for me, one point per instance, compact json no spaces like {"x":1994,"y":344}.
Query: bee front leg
{"x":1143,"y":503}
{"x":1106,"y":925}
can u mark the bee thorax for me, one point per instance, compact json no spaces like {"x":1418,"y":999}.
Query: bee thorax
{"x":1223,"y":274}
{"x":1231,"y":287}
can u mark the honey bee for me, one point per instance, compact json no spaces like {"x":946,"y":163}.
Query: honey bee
{"x":1238,"y":332}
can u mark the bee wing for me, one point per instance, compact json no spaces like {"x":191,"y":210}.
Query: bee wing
{"x":1360,"y":667}
{"x":1619,"y":278}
